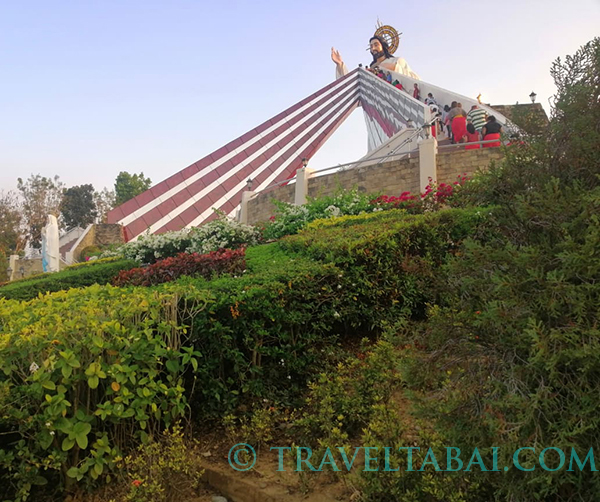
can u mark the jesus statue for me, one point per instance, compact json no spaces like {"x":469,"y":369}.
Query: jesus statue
{"x":381,"y":57}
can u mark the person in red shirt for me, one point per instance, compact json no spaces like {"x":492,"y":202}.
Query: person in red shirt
{"x":472,"y":136}
{"x":458,"y":120}
{"x":417,"y":92}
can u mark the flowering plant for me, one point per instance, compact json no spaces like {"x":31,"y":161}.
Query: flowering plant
{"x":435,"y":197}
{"x":289,"y":219}
{"x":223,"y":232}
{"x":194,"y":264}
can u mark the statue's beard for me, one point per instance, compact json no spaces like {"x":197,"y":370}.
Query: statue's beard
{"x":377,"y":55}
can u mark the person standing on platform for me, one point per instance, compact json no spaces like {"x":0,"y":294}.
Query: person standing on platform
{"x":430,"y":100}
{"x":417,"y":92}
{"x":458,"y":120}
{"x":490,"y":131}
{"x":472,"y":137}
{"x":476,"y":116}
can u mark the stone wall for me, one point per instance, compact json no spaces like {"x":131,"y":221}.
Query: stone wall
{"x":108,"y":233}
{"x":87,"y":239}
{"x":454,"y":161}
{"x":30,"y":266}
{"x":101,"y":234}
{"x":261,"y":207}
{"x":390,"y":178}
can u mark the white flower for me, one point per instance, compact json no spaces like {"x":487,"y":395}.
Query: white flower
{"x":289,"y":377}
{"x":333,"y":210}
{"x":339,"y":286}
{"x":48,"y":424}
{"x":336,"y":314}
{"x":52,"y":433}
{"x":33,"y":367}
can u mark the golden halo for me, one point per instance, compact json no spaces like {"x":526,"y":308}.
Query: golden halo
{"x":390,"y":35}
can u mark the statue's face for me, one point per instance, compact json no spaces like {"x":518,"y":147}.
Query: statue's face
{"x":375,"y":47}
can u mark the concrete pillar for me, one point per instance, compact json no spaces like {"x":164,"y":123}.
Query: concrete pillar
{"x":246,"y":196}
{"x":427,"y":161}
{"x":13,"y":263}
{"x":302,"y":177}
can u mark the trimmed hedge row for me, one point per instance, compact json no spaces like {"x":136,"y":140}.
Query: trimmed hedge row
{"x":207,"y":265}
{"x":77,"y":277}
{"x":393,"y":259}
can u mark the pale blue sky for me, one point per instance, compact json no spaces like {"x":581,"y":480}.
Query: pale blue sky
{"x":90,"y":88}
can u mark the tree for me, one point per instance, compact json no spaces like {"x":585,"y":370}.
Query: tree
{"x":127,"y":186}
{"x":78,"y":208}
{"x":11,"y":230}
{"x":41,"y":196}
{"x":105,"y":201}
{"x":514,"y":341}
{"x":576,"y":114}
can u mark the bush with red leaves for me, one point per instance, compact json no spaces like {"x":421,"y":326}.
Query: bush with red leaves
{"x":219,"y":262}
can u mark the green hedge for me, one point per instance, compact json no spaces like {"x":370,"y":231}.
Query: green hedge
{"x":77,"y":277}
{"x":392,"y":259}
{"x":267,"y":332}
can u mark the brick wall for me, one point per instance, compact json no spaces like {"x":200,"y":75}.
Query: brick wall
{"x":390,"y":178}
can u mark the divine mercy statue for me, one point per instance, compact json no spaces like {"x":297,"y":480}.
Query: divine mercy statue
{"x":50,"y":245}
{"x":382,"y":58}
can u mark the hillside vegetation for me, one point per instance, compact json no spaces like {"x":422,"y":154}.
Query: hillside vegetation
{"x":473,"y":324}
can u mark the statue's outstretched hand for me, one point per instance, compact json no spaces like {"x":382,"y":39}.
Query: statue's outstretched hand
{"x":336,"y":58}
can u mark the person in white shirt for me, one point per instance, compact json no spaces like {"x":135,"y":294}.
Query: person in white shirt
{"x":430,"y":100}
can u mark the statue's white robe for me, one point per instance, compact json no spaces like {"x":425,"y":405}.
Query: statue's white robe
{"x":398,"y":65}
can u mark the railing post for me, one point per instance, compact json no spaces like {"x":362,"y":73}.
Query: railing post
{"x":302,"y":176}
{"x":246,"y":196}
{"x":427,"y":161}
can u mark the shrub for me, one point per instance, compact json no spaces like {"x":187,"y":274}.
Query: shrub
{"x":289,"y":219}
{"x":86,"y":375}
{"x":223,"y":261}
{"x":391,"y":259}
{"x":149,"y":248}
{"x":167,"y":468}
{"x":512,"y":354}
{"x":223,"y":232}
{"x":89,"y":252}
{"x":435,"y":197}
{"x":101,"y":272}
{"x":266,"y":331}
{"x":282,"y":318}
{"x":92,"y":263}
